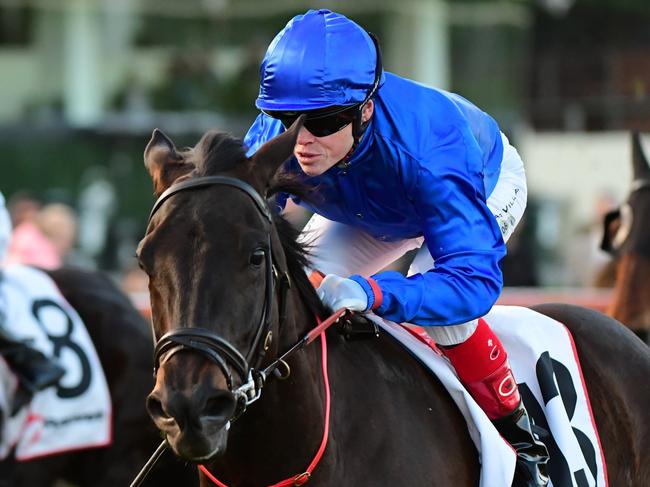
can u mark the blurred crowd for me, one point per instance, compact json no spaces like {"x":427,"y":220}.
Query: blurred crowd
{"x":43,"y":235}
{"x":46,"y":235}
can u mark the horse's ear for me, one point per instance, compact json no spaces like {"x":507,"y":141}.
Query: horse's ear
{"x":270,"y":156}
{"x":163,"y":162}
{"x":639,"y":160}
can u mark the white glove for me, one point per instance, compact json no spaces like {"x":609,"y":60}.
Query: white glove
{"x":338,"y":292}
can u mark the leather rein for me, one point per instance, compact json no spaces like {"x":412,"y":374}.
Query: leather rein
{"x":219,"y":350}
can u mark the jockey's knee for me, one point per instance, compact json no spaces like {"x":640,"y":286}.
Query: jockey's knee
{"x":446,"y":336}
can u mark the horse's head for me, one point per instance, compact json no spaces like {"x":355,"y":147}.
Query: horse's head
{"x":627,"y":236}
{"x":625,"y":229}
{"x":213,"y":258}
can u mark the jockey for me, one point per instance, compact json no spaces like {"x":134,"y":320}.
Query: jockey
{"x":397,"y":166}
{"x":33,"y":369}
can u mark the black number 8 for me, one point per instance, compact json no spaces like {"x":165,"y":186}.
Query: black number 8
{"x":64,"y":341}
{"x":547,"y":369}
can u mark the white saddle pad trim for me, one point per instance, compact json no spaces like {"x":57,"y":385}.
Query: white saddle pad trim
{"x":526,"y":335}
{"x":53,"y":424}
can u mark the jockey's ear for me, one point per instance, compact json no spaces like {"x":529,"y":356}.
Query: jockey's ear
{"x":270,"y":156}
{"x":164,"y":163}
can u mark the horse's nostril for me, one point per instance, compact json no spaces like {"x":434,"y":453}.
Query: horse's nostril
{"x":221,"y":405}
{"x":155,"y":408}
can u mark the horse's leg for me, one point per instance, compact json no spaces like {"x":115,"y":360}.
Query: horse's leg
{"x":616,"y":368}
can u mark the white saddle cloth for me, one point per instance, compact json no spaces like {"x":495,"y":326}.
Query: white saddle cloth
{"x":75,"y":414}
{"x":544,"y":363}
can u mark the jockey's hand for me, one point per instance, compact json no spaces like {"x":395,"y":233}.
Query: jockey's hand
{"x":339,"y":292}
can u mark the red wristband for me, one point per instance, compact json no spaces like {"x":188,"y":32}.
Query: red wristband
{"x":376,"y":290}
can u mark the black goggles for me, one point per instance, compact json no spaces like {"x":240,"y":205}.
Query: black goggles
{"x":320,"y":123}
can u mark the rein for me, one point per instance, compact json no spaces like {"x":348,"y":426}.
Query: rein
{"x":319,"y":330}
{"x":304,"y":477}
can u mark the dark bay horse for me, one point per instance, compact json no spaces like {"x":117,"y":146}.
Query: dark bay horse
{"x":229,"y":296}
{"x":123,"y":342}
{"x":627,"y":236}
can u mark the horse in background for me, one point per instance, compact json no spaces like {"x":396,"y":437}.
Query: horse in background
{"x":229,"y":297}
{"x":123,"y":343}
{"x":627,"y":237}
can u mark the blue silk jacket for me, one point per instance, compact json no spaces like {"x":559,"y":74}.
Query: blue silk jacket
{"x":424,"y":167}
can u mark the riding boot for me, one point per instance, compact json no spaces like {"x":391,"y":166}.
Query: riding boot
{"x":34,"y":370}
{"x":532,"y":455}
{"x":482,"y":366}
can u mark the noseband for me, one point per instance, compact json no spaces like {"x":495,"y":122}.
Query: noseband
{"x":208,"y":343}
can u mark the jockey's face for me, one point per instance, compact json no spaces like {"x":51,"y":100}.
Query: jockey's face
{"x":318,"y":154}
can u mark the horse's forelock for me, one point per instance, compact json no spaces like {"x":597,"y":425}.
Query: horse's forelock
{"x":217,"y":152}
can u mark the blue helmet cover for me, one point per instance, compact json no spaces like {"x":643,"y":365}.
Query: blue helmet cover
{"x":318,"y":60}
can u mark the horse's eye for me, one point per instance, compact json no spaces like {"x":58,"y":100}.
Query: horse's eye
{"x":257,"y":257}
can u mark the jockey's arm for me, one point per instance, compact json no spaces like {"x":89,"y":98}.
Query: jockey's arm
{"x":462,"y":236}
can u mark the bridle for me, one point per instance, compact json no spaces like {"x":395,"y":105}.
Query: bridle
{"x":209,"y":344}
{"x":223,"y":353}
{"x":639,"y":184}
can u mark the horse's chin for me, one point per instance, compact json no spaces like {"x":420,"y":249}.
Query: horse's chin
{"x":199,"y":448}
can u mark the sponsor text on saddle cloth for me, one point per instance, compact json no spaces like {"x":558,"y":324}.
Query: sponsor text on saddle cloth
{"x":544,"y":363}
{"x":75,"y":414}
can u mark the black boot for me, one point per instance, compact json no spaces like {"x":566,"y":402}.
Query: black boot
{"x":34,"y":370}
{"x":532,"y":455}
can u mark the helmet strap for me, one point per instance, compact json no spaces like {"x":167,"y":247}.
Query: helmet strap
{"x":358,"y":129}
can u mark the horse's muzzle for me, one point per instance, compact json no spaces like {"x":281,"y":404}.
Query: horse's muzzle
{"x":196,"y":426}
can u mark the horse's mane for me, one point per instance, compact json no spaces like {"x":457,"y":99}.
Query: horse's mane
{"x":297,"y":254}
{"x":218,"y":152}
{"x":297,"y":260}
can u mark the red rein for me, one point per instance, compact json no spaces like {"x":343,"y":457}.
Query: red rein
{"x":304,"y":477}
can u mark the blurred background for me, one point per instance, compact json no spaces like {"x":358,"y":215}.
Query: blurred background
{"x":84,"y":82}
